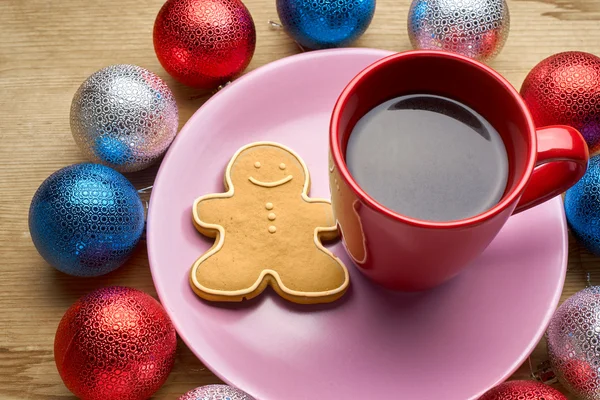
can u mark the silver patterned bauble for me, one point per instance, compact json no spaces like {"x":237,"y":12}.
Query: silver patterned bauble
{"x":574,"y":343}
{"x":216,"y":392}
{"x":474,"y":28}
{"x":124,"y":116}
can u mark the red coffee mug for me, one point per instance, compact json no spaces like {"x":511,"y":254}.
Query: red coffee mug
{"x":408,"y":254}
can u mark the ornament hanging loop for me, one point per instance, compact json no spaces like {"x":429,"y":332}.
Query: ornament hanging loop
{"x":543,"y":372}
{"x":278,"y":26}
{"x":220,"y":87}
{"x":145,"y":192}
{"x":275,"y":25}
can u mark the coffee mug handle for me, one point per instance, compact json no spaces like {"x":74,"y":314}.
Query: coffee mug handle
{"x":562,"y":159}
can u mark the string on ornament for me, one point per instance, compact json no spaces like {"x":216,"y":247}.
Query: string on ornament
{"x":211,"y":93}
{"x":277,"y":26}
{"x":145,"y":197}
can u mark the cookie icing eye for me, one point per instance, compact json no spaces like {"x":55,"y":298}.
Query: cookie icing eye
{"x":257,"y":165}
{"x":282,"y":166}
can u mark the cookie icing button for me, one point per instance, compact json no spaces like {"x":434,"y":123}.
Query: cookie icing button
{"x":257,"y":164}
{"x":269,"y":206}
{"x":282,"y":166}
{"x":271,"y":216}
{"x":272,"y":229}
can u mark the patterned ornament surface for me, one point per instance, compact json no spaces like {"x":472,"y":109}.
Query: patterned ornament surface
{"x":216,"y":392}
{"x":573,"y":339}
{"x":125,"y":117}
{"x":582,"y":207}
{"x":86,"y":219}
{"x":204,"y":43}
{"x":564,"y":89}
{"x":116,"y":343}
{"x":474,"y":28}
{"x":320,"y":24}
{"x":523,"y":390}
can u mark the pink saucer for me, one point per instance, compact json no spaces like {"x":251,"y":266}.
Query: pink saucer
{"x":451,"y":343}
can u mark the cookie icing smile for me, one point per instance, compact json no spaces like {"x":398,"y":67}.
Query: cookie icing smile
{"x":271,"y":184}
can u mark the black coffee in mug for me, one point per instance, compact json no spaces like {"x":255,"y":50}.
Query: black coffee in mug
{"x":428,"y":157}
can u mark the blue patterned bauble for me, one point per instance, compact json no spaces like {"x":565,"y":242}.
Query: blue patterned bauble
{"x":320,"y":24}
{"x":582,"y":206}
{"x":86,"y":219}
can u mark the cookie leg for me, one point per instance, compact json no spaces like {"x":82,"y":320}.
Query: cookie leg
{"x":219,"y":276}
{"x":316,"y":276}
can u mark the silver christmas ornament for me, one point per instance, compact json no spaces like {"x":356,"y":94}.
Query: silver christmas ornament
{"x":475,"y":28}
{"x":125,"y":117}
{"x":216,"y":392}
{"x":573,"y":339}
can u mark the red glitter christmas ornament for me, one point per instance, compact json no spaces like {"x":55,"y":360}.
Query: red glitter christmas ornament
{"x":564,"y":89}
{"x":204,"y":43}
{"x":116,"y":343}
{"x":523,"y":390}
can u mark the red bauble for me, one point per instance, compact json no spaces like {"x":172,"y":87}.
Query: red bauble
{"x":115,"y":344}
{"x":523,"y":390}
{"x":204,"y":43}
{"x":564,"y":89}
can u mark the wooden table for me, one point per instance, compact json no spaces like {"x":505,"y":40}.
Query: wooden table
{"x":48,"y":47}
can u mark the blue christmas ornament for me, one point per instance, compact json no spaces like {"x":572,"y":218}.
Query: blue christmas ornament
{"x":320,"y":24}
{"x":86,"y":219}
{"x":582,"y":206}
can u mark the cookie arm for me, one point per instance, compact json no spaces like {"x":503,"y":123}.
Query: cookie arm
{"x":321,"y":216}
{"x":207,"y":211}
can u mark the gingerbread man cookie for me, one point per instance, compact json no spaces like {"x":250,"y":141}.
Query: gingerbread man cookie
{"x":267,"y":232}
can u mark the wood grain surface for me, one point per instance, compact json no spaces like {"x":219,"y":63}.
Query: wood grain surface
{"x":48,"y":47}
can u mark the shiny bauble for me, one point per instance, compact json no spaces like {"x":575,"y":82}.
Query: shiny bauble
{"x":116,"y":343}
{"x":573,"y":339}
{"x":523,"y":390}
{"x":204,"y":43}
{"x":86,"y":219}
{"x":321,"y":24}
{"x":216,"y":392}
{"x":564,"y":89}
{"x":582,"y":207}
{"x":125,"y":117}
{"x":474,"y":28}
